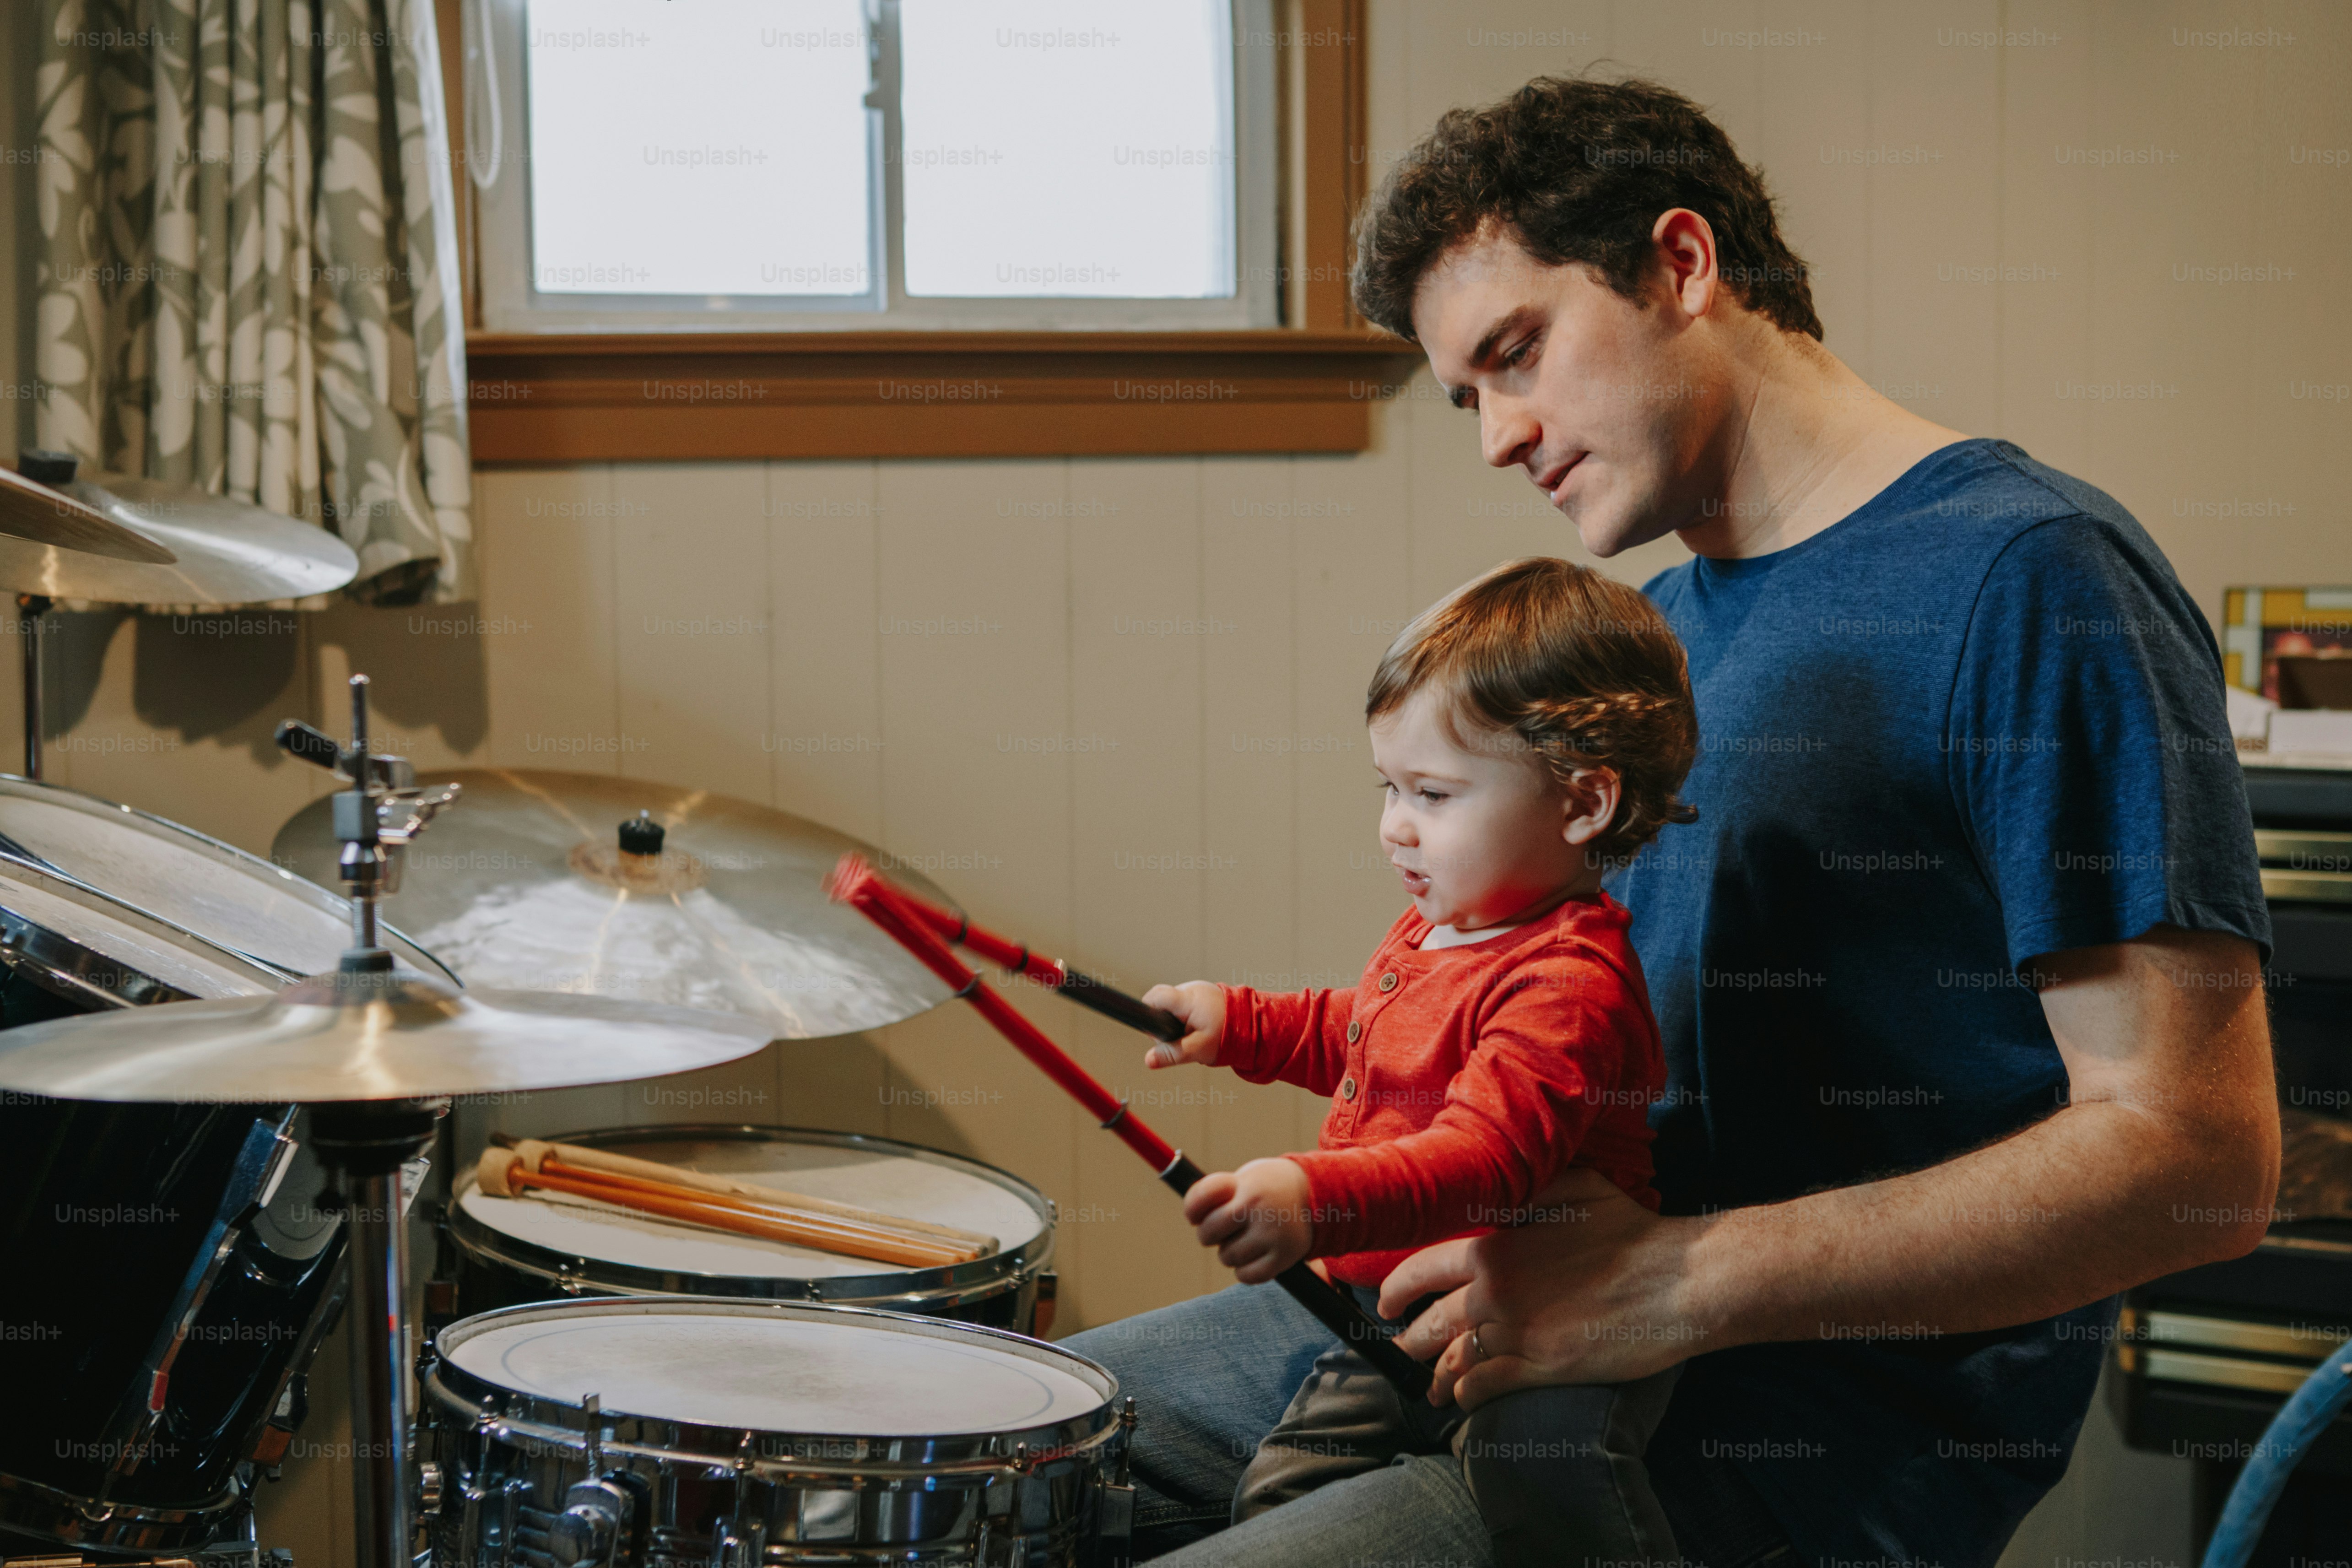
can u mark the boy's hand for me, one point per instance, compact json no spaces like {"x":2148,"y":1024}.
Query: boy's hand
{"x":1202,"y":1005}
{"x":1256,"y":1217}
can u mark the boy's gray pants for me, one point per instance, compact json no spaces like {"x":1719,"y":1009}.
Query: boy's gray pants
{"x":1557,"y":1472}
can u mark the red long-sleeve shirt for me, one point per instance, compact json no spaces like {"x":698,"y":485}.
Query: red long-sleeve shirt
{"x":1462,"y":1079}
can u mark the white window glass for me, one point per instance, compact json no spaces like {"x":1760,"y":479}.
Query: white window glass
{"x":698,"y":148}
{"x":1067,"y":148}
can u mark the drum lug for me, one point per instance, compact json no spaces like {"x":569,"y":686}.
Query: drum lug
{"x":1115,"y":1526}
{"x":738,"y":1545}
{"x":1113,"y":1543}
{"x":510,"y":1500}
{"x":430,"y":1485}
{"x":471,"y":1496}
{"x":599,"y":1513}
{"x":595,"y":1519}
{"x":741,"y":1542}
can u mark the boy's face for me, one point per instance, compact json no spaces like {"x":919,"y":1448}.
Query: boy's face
{"x":1477,"y":834}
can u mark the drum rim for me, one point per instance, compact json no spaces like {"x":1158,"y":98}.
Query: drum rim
{"x":590,"y":1278}
{"x":65,"y":964}
{"x":38,"y":1507}
{"x":244,"y":862}
{"x":493,"y":1408}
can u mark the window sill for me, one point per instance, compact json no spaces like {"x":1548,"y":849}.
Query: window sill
{"x":645,"y":396}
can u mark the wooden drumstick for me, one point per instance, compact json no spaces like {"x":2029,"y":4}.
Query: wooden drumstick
{"x":502,"y":1173}
{"x":848,"y":1230}
{"x":534,"y":1150}
{"x":717,"y":1214}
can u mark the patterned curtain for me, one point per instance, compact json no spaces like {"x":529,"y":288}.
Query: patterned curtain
{"x":249,"y":271}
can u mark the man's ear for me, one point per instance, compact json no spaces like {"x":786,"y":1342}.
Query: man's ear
{"x":1686,"y":259}
{"x":1588,"y":805}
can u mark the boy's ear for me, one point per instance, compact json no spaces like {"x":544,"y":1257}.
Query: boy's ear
{"x":1588,"y":805}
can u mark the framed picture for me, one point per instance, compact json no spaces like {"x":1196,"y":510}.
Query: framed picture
{"x":2292,"y":645}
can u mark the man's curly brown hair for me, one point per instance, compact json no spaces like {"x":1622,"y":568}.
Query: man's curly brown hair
{"x":1552,"y":658}
{"x":1579,"y":170}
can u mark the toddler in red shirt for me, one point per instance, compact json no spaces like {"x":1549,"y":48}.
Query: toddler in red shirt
{"x":1529,"y":731}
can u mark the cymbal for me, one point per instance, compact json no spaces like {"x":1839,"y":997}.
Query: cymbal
{"x":35,"y":517}
{"x":527,"y":884}
{"x":364,"y":1036}
{"x":213,"y":551}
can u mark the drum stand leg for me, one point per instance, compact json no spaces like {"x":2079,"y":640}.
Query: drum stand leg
{"x":366,"y":1142}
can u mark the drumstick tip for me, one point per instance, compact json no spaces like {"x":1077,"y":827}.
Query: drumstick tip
{"x":851,"y":876}
{"x":494,"y":1173}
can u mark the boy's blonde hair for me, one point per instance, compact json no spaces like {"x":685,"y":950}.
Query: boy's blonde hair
{"x":1575,"y":667}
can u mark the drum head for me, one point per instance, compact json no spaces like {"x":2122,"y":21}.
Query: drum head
{"x":787,"y":1370}
{"x":174,"y":877}
{"x":610,"y":1248}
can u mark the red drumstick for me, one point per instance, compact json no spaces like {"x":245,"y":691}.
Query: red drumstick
{"x":858,"y":884}
{"x":1005,"y":953}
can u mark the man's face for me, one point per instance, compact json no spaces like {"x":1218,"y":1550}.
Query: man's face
{"x":1608,"y":406}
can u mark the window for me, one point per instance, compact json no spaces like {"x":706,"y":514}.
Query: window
{"x":796,"y":165}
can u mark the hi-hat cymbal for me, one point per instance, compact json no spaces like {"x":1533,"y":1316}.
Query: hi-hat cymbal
{"x":364,"y":1036}
{"x":213,"y":551}
{"x":39,"y":519}
{"x":528,"y":884}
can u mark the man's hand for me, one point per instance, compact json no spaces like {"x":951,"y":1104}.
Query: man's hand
{"x":1585,"y":1293}
{"x":1256,"y":1217}
{"x":2163,"y":1155}
{"x":1202,"y":1005}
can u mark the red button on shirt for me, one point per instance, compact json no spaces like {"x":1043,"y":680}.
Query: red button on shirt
{"x":1468,"y":1077}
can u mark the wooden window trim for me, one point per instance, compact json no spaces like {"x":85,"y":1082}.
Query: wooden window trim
{"x":552,"y":397}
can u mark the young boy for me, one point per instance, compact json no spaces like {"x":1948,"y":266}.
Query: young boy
{"x":1530,"y":731}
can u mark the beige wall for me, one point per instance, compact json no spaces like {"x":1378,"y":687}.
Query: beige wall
{"x":1138,"y":743}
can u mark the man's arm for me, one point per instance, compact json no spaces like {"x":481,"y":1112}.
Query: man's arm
{"x":2165,"y":1157}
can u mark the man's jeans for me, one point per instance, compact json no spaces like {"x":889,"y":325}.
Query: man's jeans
{"x":1212,"y":1377}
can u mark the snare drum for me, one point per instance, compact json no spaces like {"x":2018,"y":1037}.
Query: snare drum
{"x":690,"y":1432}
{"x":508,"y":1250}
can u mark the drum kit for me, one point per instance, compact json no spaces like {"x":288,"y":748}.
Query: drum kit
{"x":228,"y":1088}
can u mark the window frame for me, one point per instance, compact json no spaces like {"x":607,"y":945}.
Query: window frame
{"x":510,"y":302}
{"x":1308,"y":384}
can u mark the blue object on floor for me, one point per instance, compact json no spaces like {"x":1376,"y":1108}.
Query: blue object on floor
{"x":2300,"y":1421}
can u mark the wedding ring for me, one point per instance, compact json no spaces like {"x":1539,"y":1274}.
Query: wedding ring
{"x":1475,"y":1344}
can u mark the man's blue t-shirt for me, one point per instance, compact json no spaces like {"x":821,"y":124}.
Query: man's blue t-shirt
{"x":1976,"y":722}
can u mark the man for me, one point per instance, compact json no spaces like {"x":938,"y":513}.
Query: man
{"x":1959,"y":970}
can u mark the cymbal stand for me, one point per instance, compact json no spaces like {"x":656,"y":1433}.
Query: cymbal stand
{"x":32,"y":609}
{"x":366,"y":1142}
{"x":375,"y":818}
{"x":32,"y":612}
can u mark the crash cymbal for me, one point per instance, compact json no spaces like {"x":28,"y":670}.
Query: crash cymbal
{"x":39,"y":519}
{"x":529,"y":884}
{"x":364,"y":1037}
{"x":212,"y":552}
